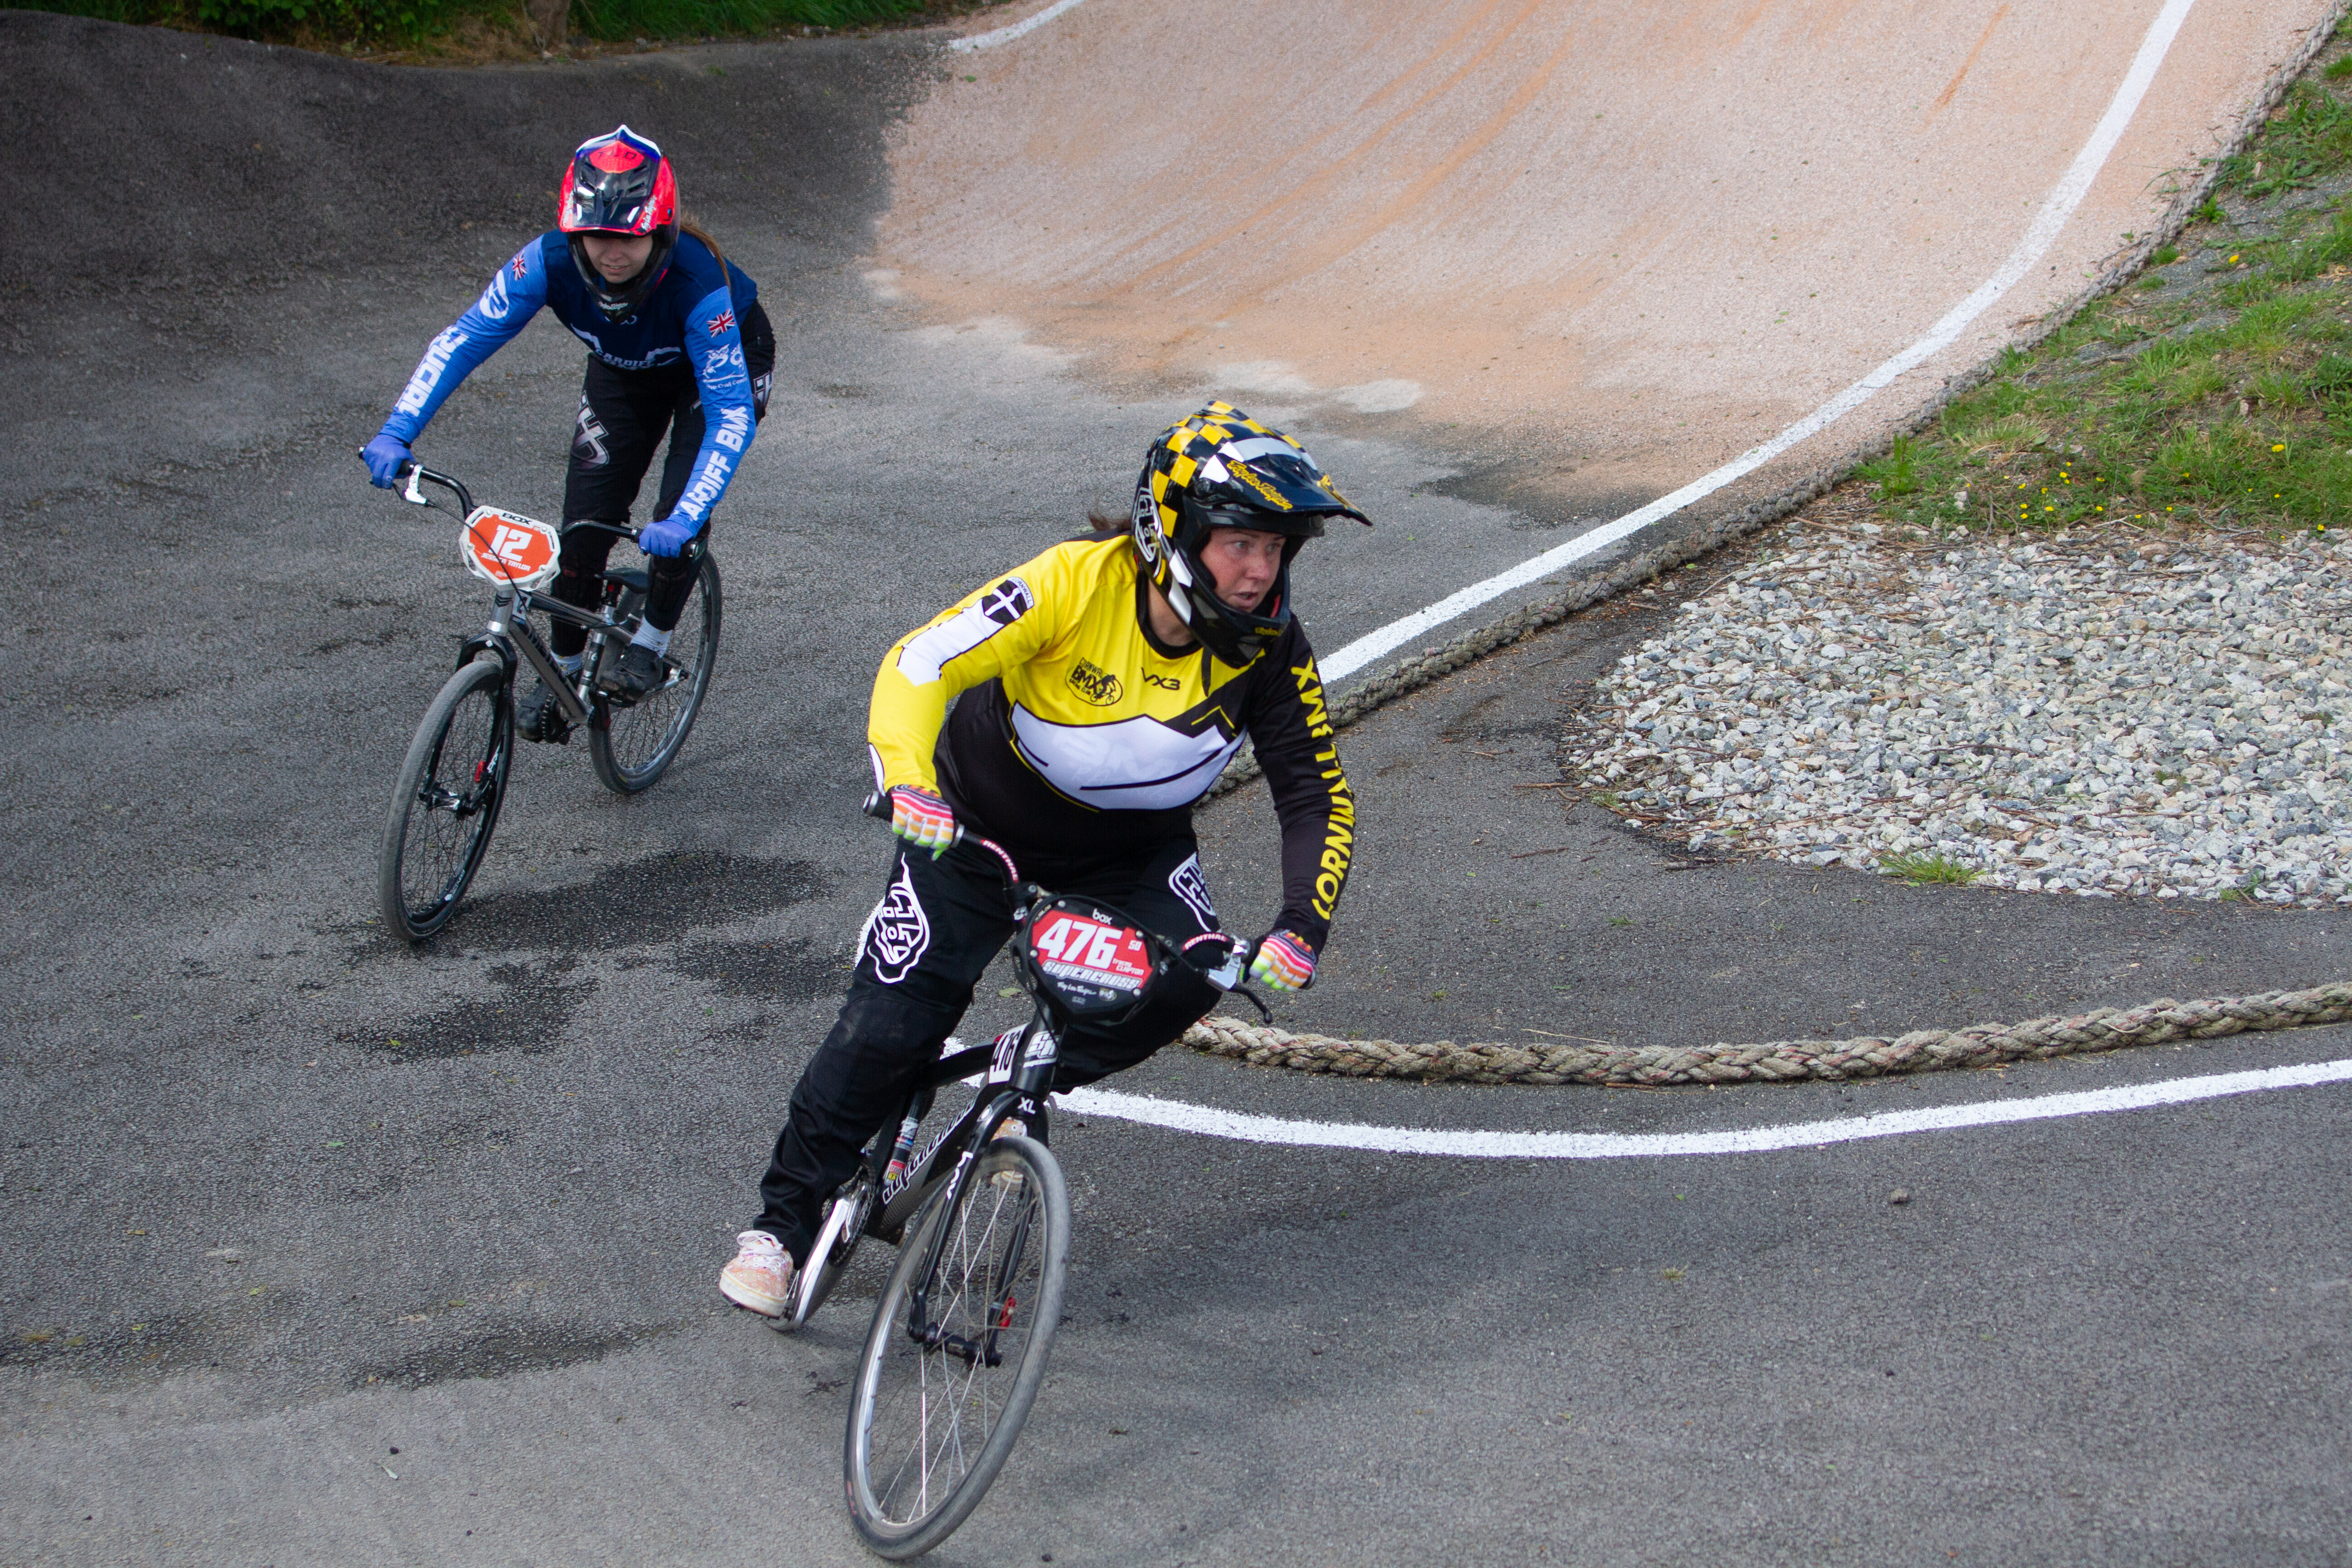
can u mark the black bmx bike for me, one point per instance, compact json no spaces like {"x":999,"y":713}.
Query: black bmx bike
{"x":454,"y":778}
{"x":982,"y":1218}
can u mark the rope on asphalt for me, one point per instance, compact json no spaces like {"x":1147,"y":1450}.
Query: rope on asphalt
{"x":1784,"y":1061}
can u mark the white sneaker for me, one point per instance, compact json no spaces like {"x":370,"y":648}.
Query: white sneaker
{"x":1011,"y":1127}
{"x":761,"y":1278}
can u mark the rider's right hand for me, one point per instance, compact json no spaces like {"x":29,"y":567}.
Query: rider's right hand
{"x":384,"y":456}
{"x":923,"y":819}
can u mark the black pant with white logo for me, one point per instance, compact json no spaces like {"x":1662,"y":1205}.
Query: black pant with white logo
{"x":924,"y":948}
{"x":624,"y":415}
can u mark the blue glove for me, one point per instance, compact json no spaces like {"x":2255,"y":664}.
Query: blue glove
{"x":668,"y":537}
{"x":384,"y":455}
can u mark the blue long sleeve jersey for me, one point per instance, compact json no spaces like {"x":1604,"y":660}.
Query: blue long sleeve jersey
{"x":690,"y":317}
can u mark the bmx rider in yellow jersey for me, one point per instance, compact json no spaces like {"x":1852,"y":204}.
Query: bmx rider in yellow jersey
{"x":1104,"y":685}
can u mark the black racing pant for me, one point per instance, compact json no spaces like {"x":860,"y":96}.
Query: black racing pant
{"x":623,"y":416}
{"x":924,"y":947}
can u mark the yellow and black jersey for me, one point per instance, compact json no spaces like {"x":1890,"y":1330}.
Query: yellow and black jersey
{"x":1084,"y":736}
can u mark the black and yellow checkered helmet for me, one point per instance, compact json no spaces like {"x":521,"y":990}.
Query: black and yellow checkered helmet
{"x":1221,"y":468}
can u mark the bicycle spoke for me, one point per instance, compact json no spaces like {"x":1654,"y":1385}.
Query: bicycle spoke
{"x":953,"y":1400}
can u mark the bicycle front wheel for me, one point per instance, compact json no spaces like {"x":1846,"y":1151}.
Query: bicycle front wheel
{"x":636,"y":742}
{"x":447,"y":802}
{"x":956,"y":1349}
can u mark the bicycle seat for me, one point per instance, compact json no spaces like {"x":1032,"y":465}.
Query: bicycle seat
{"x":629,"y":577}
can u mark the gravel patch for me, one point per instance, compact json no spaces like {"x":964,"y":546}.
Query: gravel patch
{"x":2085,"y":717}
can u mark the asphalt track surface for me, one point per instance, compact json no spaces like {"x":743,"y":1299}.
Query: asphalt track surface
{"x":476,"y":1194}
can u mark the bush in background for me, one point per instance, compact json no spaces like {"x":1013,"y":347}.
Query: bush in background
{"x":401,"y":23}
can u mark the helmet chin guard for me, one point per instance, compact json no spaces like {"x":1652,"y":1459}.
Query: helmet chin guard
{"x":619,"y":183}
{"x":1221,"y":468}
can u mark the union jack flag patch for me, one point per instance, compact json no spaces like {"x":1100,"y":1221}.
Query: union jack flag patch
{"x":721,"y":321}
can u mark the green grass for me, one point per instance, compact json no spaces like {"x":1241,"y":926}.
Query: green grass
{"x":2309,"y":139}
{"x":1895,"y":474}
{"x":618,"y":19}
{"x":2227,"y":402}
{"x":1917,"y":870}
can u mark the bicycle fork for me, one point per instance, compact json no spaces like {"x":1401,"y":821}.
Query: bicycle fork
{"x":1022,"y":1097}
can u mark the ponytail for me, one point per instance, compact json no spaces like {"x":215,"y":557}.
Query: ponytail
{"x":688,"y":226}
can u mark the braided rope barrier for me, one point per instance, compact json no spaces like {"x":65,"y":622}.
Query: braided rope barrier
{"x":1783,"y":1061}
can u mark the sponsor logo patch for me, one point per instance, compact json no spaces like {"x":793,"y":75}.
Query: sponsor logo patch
{"x":1148,"y":541}
{"x":898,"y":933}
{"x":589,"y":437}
{"x":1095,"y":684}
{"x":1187,"y":883}
{"x":1165,"y":682}
{"x":1266,"y":492}
{"x":429,"y":371}
{"x":1008,"y":602}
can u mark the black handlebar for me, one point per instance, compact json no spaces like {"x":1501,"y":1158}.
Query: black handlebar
{"x":415,"y":473}
{"x":1238,"y":952}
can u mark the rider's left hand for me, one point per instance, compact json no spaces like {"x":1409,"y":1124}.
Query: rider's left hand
{"x":668,"y":537}
{"x":1284,"y":961}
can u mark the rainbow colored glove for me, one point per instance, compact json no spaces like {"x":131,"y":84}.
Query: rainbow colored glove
{"x":1284,"y":961}
{"x":923,"y":819}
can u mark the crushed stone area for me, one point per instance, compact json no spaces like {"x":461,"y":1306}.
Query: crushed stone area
{"x":2095,"y":716}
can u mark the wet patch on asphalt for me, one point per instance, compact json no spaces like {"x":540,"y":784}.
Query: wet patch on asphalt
{"x":528,"y":1013}
{"x":640,"y":900}
{"x":764,"y":971}
{"x":500,"y":1350}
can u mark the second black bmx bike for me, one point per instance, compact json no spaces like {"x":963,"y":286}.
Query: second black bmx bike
{"x":453,"y":781}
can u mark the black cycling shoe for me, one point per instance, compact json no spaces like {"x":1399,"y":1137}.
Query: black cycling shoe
{"x":637,"y":671}
{"x":540,"y":717}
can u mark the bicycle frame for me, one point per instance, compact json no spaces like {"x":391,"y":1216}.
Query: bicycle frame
{"x":509,"y":635}
{"x":1019,"y":1065}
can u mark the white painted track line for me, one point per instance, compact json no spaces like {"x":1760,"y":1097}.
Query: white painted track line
{"x":1006,"y":35}
{"x":1482,"y":1145}
{"x":2039,"y":236}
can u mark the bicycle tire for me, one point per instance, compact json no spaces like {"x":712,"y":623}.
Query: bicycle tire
{"x":633,"y":744}
{"x":445,"y":804}
{"x":929,"y":1428}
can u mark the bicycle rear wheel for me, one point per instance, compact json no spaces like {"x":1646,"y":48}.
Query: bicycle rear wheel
{"x":446,"y":801}
{"x":954,"y":1358}
{"x":636,"y":742}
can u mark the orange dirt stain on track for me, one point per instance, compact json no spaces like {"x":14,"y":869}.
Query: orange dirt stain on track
{"x":1650,"y":235}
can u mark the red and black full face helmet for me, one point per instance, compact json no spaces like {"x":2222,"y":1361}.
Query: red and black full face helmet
{"x":1221,"y":468}
{"x":619,"y":183}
